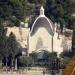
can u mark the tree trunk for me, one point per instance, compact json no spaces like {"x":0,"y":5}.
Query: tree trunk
{"x":12,"y":63}
{"x":6,"y":63}
{"x":1,"y":63}
{"x":16,"y":64}
{"x":33,"y":61}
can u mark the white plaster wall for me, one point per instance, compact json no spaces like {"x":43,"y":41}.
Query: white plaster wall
{"x":45,"y":37}
{"x":57,"y":43}
{"x":47,"y":41}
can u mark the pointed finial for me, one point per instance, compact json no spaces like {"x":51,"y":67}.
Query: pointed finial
{"x":41,"y":10}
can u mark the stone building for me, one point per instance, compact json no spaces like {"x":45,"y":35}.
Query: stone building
{"x":43,"y":35}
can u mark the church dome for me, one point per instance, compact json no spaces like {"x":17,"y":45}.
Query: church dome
{"x":42,"y":21}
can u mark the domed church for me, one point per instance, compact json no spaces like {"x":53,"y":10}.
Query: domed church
{"x":41,"y":34}
{"x":45,"y":35}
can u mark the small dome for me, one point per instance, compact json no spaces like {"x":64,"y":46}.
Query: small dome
{"x":42,"y":21}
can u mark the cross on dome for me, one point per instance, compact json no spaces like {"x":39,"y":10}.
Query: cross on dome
{"x":41,"y":10}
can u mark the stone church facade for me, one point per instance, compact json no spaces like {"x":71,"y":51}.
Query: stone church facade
{"x":43,"y":35}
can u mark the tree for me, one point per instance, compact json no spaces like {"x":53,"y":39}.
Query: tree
{"x":68,"y":54}
{"x":34,"y":57}
{"x":60,"y":11}
{"x":41,"y":2}
{"x":17,"y":9}
{"x":3,"y":41}
{"x":53,"y":61}
{"x":13,"y":46}
{"x":25,"y":61}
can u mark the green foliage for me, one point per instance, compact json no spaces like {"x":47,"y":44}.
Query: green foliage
{"x":66,"y":54}
{"x":17,"y":8}
{"x":32,"y":19}
{"x":13,"y":45}
{"x":25,"y":60}
{"x":34,"y":56}
{"x":3,"y":40}
{"x":60,"y":10}
{"x":37,"y":1}
{"x":14,"y":20}
{"x":56,"y":10}
{"x":53,"y":55}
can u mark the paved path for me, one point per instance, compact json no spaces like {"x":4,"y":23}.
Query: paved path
{"x":26,"y":73}
{"x":36,"y":73}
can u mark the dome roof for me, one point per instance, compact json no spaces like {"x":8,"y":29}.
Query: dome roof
{"x":42,"y":21}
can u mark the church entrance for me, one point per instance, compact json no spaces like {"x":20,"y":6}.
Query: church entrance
{"x":43,"y":58}
{"x":42,"y":55}
{"x":40,"y":58}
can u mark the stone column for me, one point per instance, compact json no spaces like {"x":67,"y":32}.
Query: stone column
{"x":52,"y":43}
{"x":16,"y":64}
{"x":28,"y":43}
